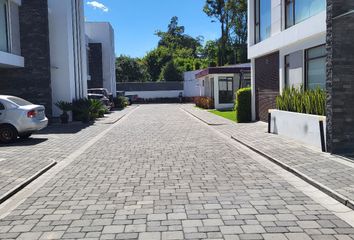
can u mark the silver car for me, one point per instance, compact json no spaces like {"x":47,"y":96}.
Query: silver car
{"x":20,"y":118}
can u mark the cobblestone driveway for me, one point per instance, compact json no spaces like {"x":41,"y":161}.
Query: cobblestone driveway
{"x":160,"y":174}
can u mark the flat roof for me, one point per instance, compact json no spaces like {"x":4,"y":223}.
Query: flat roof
{"x":237,"y":68}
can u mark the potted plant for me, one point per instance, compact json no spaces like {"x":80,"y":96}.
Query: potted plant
{"x":65,"y":107}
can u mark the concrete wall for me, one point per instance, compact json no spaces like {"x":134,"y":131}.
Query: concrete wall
{"x":340,"y":72}
{"x":191,"y":84}
{"x":68,"y":51}
{"x":102,"y":32}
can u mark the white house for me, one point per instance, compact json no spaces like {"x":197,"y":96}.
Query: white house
{"x":221,"y":83}
{"x":286,"y":47}
{"x":192,"y":86}
{"x":10,"y":46}
{"x":102,"y":33}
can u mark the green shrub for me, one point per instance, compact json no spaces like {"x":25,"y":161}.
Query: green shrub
{"x":302,"y":101}
{"x":243,"y":105}
{"x":64,"y":106}
{"x":121,"y":102}
{"x":204,"y":102}
{"x":86,"y":110}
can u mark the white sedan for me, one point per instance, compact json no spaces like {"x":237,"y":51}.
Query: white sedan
{"x":20,"y":118}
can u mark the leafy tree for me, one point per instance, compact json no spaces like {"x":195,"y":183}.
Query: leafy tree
{"x":155,"y":60}
{"x":232,"y":16}
{"x":170,"y":72}
{"x":130,"y":70}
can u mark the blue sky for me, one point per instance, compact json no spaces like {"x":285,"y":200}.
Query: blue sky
{"x":135,"y":21}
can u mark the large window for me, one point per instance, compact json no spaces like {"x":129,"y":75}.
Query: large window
{"x":316,"y":67}
{"x":226,"y":91}
{"x":4,"y":45}
{"x":299,"y":10}
{"x":262,"y":20}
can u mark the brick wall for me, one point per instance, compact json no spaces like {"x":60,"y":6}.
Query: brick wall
{"x":267,"y":84}
{"x":95,"y":66}
{"x":33,"y":81}
{"x":340,"y":77}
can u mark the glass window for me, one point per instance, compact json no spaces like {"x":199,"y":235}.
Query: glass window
{"x":3,"y":26}
{"x":262,"y":20}
{"x":226,"y":91}
{"x":287,"y":70}
{"x":316,"y":67}
{"x":19,"y":101}
{"x":2,"y":107}
{"x":299,"y":10}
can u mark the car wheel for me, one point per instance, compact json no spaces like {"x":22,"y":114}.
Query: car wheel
{"x":25,"y":136}
{"x":7,"y":134}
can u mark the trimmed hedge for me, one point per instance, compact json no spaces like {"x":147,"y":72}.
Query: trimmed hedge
{"x":204,"y":102}
{"x":243,"y":105}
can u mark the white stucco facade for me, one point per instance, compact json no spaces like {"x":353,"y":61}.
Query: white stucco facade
{"x":292,"y":41}
{"x":192,"y":86}
{"x":11,"y":56}
{"x":102,"y":32}
{"x":67,"y":51}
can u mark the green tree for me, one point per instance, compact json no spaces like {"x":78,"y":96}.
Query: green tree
{"x":130,"y":69}
{"x":170,"y":72}
{"x":155,"y":60}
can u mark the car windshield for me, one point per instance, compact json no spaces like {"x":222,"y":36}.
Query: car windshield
{"x":19,"y":101}
{"x":96,"y":91}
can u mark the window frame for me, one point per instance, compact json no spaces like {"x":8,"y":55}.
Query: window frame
{"x":287,"y":3}
{"x":227,"y":80}
{"x":286,"y":68}
{"x":307,"y":59}
{"x":257,"y":22}
{"x":7,"y":25}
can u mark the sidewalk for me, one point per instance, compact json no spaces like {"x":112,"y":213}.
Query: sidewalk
{"x":24,"y":159}
{"x":331,"y":174}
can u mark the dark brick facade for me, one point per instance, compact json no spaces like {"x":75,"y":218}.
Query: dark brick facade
{"x":267,"y":84}
{"x":95,"y":66}
{"x":33,"y":81}
{"x":340,"y":76}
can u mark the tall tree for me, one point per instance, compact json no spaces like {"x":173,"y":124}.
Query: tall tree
{"x":130,"y":70}
{"x":232,"y":16}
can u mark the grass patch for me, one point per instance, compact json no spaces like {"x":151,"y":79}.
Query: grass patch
{"x":231,"y":115}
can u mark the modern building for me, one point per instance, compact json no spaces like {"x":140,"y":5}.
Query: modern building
{"x":102,"y":68}
{"x":308,"y":43}
{"x":221,"y":83}
{"x":43,"y":55}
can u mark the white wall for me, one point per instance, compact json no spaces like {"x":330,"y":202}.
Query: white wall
{"x":191,"y":84}
{"x":67,"y":51}
{"x":156,"y":94}
{"x":102,"y":32}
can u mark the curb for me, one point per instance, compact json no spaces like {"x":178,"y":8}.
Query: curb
{"x":22,"y":185}
{"x":333,"y":194}
{"x":210,"y":124}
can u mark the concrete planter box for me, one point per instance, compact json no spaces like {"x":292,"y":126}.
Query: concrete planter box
{"x":305,"y":128}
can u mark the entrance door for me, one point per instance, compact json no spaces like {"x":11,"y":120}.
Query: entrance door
{"x":267,"y":84}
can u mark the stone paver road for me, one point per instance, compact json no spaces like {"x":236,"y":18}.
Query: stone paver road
{"x":160,"y":174}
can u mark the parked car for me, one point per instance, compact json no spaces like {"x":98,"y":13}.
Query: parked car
{"x":102,"y":98}
{"x":104,"y":92}
{"x":20,"y":118}
{"x":132,"y":98}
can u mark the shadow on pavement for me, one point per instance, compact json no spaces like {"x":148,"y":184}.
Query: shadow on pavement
{"x":24,"y":142}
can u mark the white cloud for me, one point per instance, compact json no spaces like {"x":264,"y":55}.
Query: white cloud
{"x":98,"y":5}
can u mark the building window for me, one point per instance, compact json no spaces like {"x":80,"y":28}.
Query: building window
{"x":287,"y":70}
{"x":299,"y":10}
{"x":316,"y":67}
{"x":4,"y":36}
{"x":226,"y":91}
{"x":262,"y":20}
